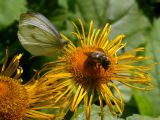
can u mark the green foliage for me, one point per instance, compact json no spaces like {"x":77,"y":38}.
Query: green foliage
{"x":138,"y":20}
{"x":140,"y":117}
{"x":146,"y":108}
{"x":10,"y":11}
{"x":95,"y":114}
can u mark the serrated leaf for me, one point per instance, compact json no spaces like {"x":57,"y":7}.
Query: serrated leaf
{"x":10,"y":11}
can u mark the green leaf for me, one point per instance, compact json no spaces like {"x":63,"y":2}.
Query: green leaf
{"x":140,"y":117}
{"x":63,"y":3}
{"x":10,"y":11}
{"x":95,"y":114}
{"x":129,"y":21}
{"x":124,"y":15}
{"x":92,"y":10}
{"x":152,"y":50}
{"x":143,"y":103}
{"x":147,"y":102}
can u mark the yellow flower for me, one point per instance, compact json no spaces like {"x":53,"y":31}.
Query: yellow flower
{"x":93,"y":66}
{"x":25,"y":101}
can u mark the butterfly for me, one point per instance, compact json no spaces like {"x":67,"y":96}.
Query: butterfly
{"x":39,"y":36}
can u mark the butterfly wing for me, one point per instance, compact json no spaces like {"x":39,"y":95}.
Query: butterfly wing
{"x":38,"y":36}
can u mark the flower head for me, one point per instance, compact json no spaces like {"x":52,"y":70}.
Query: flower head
{"x":92,"y":67}
{"x":25,"y":101}
{"x":13,"y":97}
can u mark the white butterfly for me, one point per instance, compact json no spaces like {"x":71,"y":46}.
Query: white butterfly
{"x":38,"y":35}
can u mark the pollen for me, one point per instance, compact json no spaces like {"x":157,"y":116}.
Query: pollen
{"x":13,"y":99}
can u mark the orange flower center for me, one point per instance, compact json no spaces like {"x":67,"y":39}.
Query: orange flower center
{"x":13,"y":99}
{"x":87,"y":67}
{"x":3,"y":89}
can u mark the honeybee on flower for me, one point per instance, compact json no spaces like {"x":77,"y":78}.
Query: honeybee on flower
{"x":92,"y":67}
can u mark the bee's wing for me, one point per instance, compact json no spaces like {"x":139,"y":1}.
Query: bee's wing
{"x":38,"y":36}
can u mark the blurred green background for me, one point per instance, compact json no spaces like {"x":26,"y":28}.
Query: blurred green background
{"x":139,"y":20}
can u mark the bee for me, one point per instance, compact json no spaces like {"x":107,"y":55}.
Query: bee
{"x":99,"y":57}
{"x":39,"y":36}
